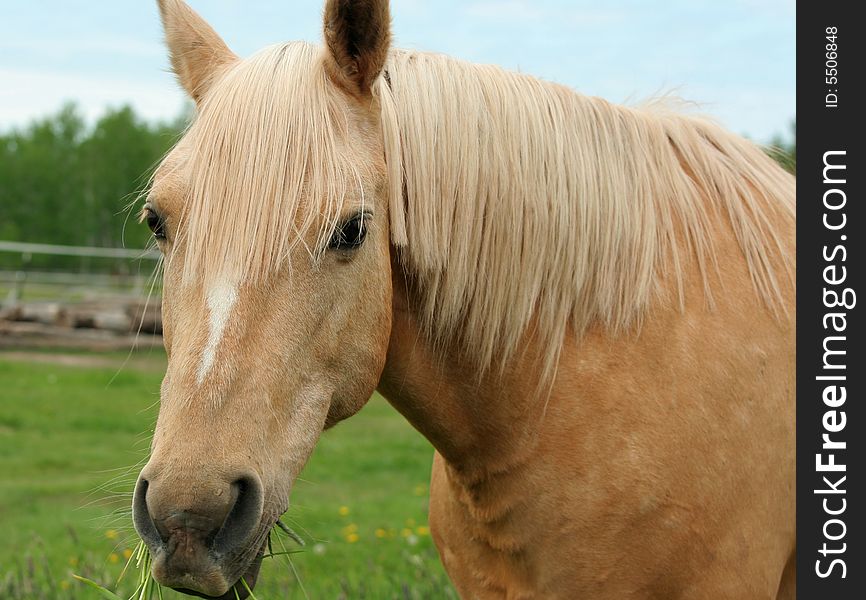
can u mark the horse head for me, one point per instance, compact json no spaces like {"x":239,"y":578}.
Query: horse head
{"x":272,"y":216}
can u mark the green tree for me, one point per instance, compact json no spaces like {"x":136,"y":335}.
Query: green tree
{"x":118,"y":155}
{"x":63,"y":182}
{"x":784,"y":150}
{"x":41,"y":178}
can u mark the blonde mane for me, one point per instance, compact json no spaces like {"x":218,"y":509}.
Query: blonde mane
{"x":516,"y":203}
{"x":268,"y":164}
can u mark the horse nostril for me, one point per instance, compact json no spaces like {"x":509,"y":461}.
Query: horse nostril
{"x":141,"y":518}
{"x":198,"y":531}
{"x":244,"y":517}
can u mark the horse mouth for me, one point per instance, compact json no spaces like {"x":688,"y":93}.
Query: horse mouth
{"x":242,"y":587}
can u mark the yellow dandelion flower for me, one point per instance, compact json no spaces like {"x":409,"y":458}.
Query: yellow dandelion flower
{"x":111,"y":534}
{"x":381,"y":533}
{"x":352,"y":538}
{"x":127,"y":553}
{"x":344,"y":510}
{"x":422,"y":530}
{"x":410,"y":522}
{"x":406,"y":532}
{"x":113,"y":557}
{"x":350,"y":528}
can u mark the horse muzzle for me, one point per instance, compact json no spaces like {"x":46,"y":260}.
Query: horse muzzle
{"x":203,"y":536}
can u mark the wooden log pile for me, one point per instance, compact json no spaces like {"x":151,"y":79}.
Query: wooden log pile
{"x":103,"y":324}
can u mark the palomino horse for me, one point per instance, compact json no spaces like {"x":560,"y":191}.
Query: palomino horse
{"x":586,"y":308}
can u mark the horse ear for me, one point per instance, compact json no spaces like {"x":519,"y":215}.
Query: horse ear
{"x":197,"y":53}
{"x":357,"y":36}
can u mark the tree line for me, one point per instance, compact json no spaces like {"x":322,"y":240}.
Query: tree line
{"x":64,"y":182}
{"x":784,"y":148}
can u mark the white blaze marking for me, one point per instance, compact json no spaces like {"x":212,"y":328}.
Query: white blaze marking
{"x":221,"y":298}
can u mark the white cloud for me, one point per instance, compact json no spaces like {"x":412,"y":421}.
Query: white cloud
{"x":521,"y":11}
{"x":29,"y":94}
{"x":510,"y":10}
{"x":93,"y":45}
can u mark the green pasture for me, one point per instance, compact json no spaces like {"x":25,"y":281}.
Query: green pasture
{"x":71,"y":436}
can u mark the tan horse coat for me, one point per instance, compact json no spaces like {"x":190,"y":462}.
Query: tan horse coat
{"x":662,"y":465}
{"x":587,"y":309}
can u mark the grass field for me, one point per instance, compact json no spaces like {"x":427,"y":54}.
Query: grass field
{"x":72,"y":432}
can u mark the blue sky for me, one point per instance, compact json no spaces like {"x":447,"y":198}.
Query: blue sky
{"x":733,"y":57}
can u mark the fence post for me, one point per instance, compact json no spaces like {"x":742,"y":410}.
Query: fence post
{"x":17,"y":293}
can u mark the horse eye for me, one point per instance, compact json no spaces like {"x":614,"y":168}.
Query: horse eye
{"x":349,"y":235}
{"x":155,"y":222}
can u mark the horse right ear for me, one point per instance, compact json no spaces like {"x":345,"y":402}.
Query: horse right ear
{"x":357,"y":36}
{"x":198,"y":54}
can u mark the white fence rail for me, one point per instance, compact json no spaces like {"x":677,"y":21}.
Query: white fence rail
{"x":25,"y":248}
{"x":133,"y":276}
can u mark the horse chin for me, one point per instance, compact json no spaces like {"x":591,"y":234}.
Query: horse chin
{"x":238,"y":591}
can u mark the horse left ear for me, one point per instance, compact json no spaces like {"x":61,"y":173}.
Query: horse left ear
{"x":357,"y":36}
{"x":198,"y":54}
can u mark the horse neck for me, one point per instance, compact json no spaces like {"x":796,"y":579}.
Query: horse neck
{"x":478,"y":424}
